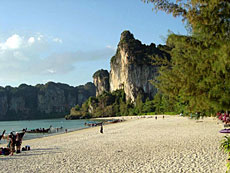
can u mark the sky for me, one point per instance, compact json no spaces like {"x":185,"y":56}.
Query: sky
{"x":67,"y":41}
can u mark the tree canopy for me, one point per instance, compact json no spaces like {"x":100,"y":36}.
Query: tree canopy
{"x":198,"y":75}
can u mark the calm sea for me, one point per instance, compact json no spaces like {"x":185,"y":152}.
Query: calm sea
{"x":17,"y":126}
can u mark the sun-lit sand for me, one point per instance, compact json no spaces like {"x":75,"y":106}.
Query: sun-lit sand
{"x":174,"y":144}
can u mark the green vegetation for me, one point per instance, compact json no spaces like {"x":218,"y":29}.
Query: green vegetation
{"x":104,"y":105}
{"x":197,"y":76}
{"x":225,"y":146}
{"x":115,"y":104}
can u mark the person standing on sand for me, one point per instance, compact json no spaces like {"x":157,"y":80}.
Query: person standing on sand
{"x":101,"y":130}
{"x":155,"y":117}
{"x":18,"y":142}
{"x":12,"y":143}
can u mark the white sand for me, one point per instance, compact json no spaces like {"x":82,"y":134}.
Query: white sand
{"x":175,"y":144}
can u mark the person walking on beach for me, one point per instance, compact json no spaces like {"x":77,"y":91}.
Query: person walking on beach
{"x":155,"y":117}
{"x":101,"y":130}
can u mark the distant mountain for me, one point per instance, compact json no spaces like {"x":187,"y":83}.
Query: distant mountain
{"x":51,"y":100}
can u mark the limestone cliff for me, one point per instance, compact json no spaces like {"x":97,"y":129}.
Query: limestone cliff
{"x":41,"y":101}
{"x":101,"y":81}
{"x":132,"y":67}
{"x":85,"y":91}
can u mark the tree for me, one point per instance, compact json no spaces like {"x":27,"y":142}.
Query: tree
{"x":198,"y":74}
{"x":206,"y":18}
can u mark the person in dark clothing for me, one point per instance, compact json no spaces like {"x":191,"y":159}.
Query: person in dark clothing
{"x":101,"y":130}
{"x":12,"y":143}
{"x":19,"y":137}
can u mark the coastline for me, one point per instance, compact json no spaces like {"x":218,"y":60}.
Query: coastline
{"x":173,"y":144}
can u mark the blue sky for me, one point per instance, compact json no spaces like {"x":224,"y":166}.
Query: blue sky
{"x":67,"y":41}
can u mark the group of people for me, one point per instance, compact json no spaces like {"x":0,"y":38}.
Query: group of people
{"x":14,"y":140}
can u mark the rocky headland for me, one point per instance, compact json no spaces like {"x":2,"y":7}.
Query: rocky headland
{"x":133,"y":67}
{"x":101,"y":81}
{"x":51,"y":100}
{"x":129,"y":81}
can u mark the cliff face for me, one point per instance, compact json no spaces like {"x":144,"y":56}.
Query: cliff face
{"x":41,"y":101}
{"x":53,"y":98}
{"x":85,"y":91}
{"x":101,"y":81}
{"x":132,"y":67}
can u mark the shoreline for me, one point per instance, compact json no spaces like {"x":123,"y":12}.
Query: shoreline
{"x":69,"y":131}
{"x":124,"y":118}
{"x":173,"y":144}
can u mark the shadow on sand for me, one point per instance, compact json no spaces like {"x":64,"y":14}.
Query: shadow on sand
{"x":32,"y":152}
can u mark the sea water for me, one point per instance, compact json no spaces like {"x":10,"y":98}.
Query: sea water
{"x":17,"y":126}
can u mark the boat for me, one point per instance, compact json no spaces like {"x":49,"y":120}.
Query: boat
{"x":93,"y":124}
{"x":225,"y":131}
{"x":115,"y":121}
{"x":41,"y":130}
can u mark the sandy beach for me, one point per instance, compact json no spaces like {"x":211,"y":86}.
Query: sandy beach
{"x":174,"y":144}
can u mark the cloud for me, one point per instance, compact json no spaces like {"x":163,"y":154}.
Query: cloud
{"x":111,"y":47}
{"x":31,"y":40}
{"x":39,"y":36}
{"x":35,"y":56}
{"x":51,"y":71}
{"x":13,"y":42}
{"x":58,"y":40}
{"x":62,"y":63}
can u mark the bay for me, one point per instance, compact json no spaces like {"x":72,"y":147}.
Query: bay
{"x":17,"y":126}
